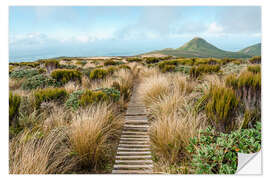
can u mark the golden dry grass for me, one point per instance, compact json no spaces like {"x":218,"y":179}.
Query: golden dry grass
{"x":30,"y":153}
{"x":89,"y":131}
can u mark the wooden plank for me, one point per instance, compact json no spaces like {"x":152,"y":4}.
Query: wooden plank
{"x":132,"y":171}
{"x":133,"y":153}
{"x":134,"y":157}
{"x":134,"y":161}
{"x":133,"y":166}
{"x":134,"y":136}
{"x":134,"y":145}
{"x":133,"y":149}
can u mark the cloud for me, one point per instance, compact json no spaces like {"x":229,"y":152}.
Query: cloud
{"x":214,"y":28}
{"x":240,"y":19}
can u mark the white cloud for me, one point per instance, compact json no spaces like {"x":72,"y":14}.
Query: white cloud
{"x":214,"y":28}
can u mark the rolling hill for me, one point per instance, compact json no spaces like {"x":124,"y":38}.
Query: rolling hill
{"x":254,"y":50}
{"x":198,"y":47}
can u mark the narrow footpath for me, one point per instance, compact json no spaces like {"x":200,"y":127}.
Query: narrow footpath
{"x":133,"y":154}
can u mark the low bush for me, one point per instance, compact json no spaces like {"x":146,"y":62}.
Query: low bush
{"x":69,"y":66}
{"x":29,"y":64}
{"x":49,"y":94}
{"x":183,"y":69}
{"x":89,"y":97}
{"x":98,"y":74}
{"x":134,"y":59}
{"x":254,"y":68}
{"x":65,"y":75}
{"x":123,"y":66}
{"x":189,"y":62}
{"x":112,"y":69}
{"x":14,"y":105}
{"x":162,"y":64}
{"x":221,"y":108}
{"x":216,"y":153}
{"x":38,"y":81}
{"x":73,"y":100}
{"x":206,"y":61}
{"x":110,"y":63}
{"x":255,"y":60}
{"x":23,"y":73}
{"x":82,"y":63}
{"x":196,"y":71}
{"x":152,"y":60}
{"x":168,"y":68}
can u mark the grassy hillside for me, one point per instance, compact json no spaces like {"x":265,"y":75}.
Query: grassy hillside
{"x":254,"y":50}
{"x":199,"y":47}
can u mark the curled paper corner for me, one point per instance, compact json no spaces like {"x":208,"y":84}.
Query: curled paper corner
{"x":249,"y":163}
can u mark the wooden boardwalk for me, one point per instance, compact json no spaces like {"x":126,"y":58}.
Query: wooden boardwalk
{"x":133,"y":154}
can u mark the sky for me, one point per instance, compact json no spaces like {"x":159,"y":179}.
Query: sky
{"x":49,"y":31}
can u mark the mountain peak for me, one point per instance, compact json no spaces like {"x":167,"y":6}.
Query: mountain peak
{"x":198,"y":44}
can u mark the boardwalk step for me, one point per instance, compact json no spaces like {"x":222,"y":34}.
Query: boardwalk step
{"x":133,"y":149}
{"x":134,"y":142}
{"x":129,"y":166}
{"x":134,"y":145}
{"x":135,"y":152}
{"x":134,"y":132}
{"x":134,"y":161}
{"x":134,"y":139}
{"x":136,"y":122}
{"x":134,"y":136}
{"x":134,"y":157}
{"x":132,"y":171}
{"x":136,"y":126}
{"x":136,"y":118}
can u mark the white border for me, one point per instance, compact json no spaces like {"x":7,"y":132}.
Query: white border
{"x":4,"y":74}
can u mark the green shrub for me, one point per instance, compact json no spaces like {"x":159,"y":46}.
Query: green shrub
{"x":254,"y":68}
{"x":52,"y":62}
{"x":248,"y":88}
{"x":123,"y":66}
{"x":196,"y":71}
{"x":49,"y":94}
{"x":14,"y":105}
{"x":221,"y":108}
{"x":168,"y":68}
{"x":162,"y":64}
{"x":226,"y":61}
{"x":152,"y":60}
{"x":216,"y":153}
{"x":98,"y":74}
{"x":134,"y":59}
{"x":38,"y":81}
{"x":255,"y":60}
{"x":206,"y":61}
{"x":189,"y":62}
{"x":64,"y":66}
{"x":29,"y":64}
{"x":102,"y":95}
{"x":23,"y":73}
{"x":111,"y":70}
{"x":82,"y":63}
{"x":183,"y":69}
{"x":110,"y":63}
{"x":73,"y":100}
{"x":65,"y":75}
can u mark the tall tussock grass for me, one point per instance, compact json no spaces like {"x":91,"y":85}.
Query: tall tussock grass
{"x":90,"y":130}
{"x":32,"y":153}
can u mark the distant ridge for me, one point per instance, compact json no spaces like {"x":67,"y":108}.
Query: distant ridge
{"x":198,"y":47}
{"x":254,"y":50}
